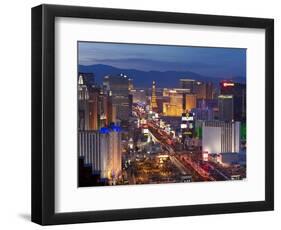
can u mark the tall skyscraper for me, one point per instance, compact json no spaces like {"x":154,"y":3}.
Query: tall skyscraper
{"x":83,"y":105}
{"x":200,"y":89}
{"x":105,"y":105}
{"x":93,"y":104}
{"x":188,"y":84}
{"x":112,"y":114}
{"x":111,"y":152}
{"x":153,"y":102}
{"x":131,"y":84}
{"x":116,"y":157}
{"x":226,"y":107}
{"x":88,"y":78}
{"x":203,"y":90}
{"x":220,"y":137}
{"x":118,"y":88}
{"x":190,"y":102}
{"x":209,"y":91}
{"x":238,"y":91}
{"x":101,"y":150}
{"x":94,"y":107}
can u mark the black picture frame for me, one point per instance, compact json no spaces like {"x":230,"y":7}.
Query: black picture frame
{"x":43,"y":114}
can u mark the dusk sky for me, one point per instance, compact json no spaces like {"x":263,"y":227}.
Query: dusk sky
{"x":213,"y":62}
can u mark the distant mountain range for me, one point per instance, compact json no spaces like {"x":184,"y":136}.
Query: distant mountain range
{"x":145,"y":78}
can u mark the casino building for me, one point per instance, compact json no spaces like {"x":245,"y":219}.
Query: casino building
{"x":220,"y":137}
{"x":238,"y":92}
{"x":101,"y":150}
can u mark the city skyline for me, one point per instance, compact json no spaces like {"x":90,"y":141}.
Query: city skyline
{"x":191,"y":130}
{"x":207,"y":61}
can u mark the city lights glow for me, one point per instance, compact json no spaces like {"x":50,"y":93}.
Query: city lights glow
{"x":145,"y":126}
{"x":227,"y":84}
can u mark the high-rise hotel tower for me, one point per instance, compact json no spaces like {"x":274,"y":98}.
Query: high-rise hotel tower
{"x":153,"y":102}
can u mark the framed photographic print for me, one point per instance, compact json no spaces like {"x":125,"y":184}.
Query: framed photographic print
{"x":142,"y":114}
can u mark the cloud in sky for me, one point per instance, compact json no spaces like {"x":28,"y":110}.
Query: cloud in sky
{"x":218,"y":62}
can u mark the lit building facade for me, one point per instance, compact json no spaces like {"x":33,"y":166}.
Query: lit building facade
{"x":179,"y":101}
{"x":105,"y":108}
{"x":93,"y":104}
{"x":130,"y":84}
{"x":153,"y":101}
{"x":190,"y":102}
{"x":102,"y":151}
{"x":220,"y":137}
{"x":99,"y":140}
{"x":116,"y":153}
{"x":200,"y":90}
{"x":160,"y":102}
{"x":175,"y":105}
{"x":167,"y":91}
{"x":111,"y":152}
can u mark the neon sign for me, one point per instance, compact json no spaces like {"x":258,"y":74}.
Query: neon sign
{"x":227,"y":84}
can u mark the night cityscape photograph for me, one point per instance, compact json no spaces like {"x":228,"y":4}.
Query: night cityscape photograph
{"x":155,"y":114}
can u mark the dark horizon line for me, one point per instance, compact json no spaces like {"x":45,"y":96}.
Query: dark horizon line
{"x":134,"y":69}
